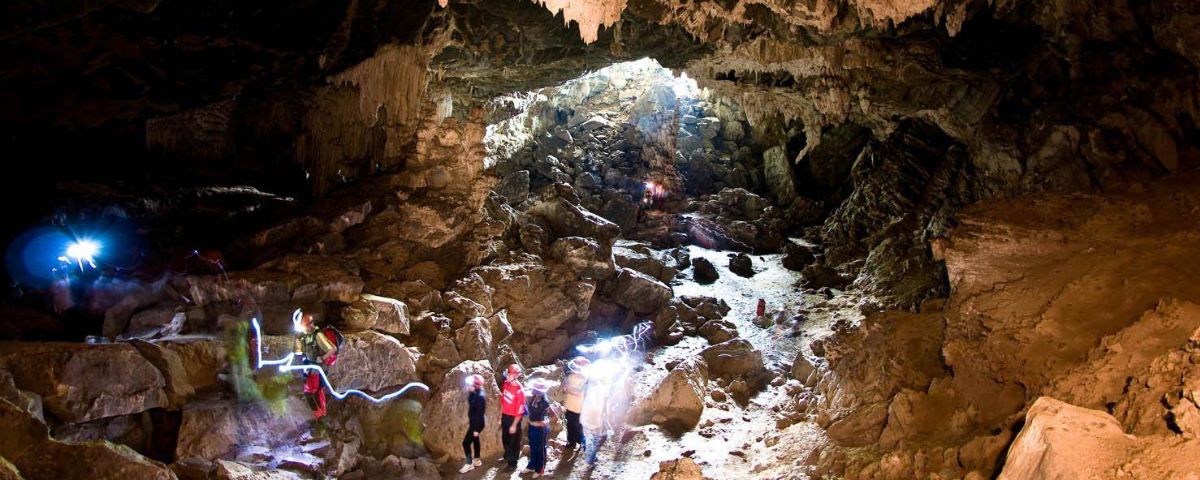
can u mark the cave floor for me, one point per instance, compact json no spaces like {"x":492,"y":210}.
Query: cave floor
{"x":731,"y":439}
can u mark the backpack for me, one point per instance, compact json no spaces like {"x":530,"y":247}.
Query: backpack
{"x":337,"y":339}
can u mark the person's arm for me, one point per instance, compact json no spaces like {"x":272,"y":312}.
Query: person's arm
{"x":327,"y":347}
{"x":298,"y":346}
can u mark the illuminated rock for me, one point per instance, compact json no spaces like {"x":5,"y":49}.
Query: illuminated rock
{"x":79,"y":382}
{"x":445,"y":416}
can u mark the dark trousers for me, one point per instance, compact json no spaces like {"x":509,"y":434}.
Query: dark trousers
{"x":574,"y":430}
{"x":470,"y":440}
{"x":537,"y":449}
{"x":511,"y":441}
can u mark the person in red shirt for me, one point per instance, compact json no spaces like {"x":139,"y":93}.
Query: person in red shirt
{"x":512,"y":408}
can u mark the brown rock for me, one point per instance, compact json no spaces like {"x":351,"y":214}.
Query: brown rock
{"x":212,"y":431}
{"x":240,"y":471}
{"x":682,"y":469}
{"x":733,"y":358}
{"x":638,"y":292}
{"x":372,"y":361}
{"x":445,"y":416}
{"x":378,"y":313}
{"x":677,"y":402}
{"x":79,"y":382}
{"x":26,"y":444}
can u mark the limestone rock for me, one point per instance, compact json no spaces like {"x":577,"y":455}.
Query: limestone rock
{"x":718,"y":331}
{"x":569,"y":220}
{"x":474,"y":339}
{"x":26,"y":445}
{"x":79,"y":382}
{"x":445,"y":416}
{"x":741,"y":264}
{"x":376,"y":312}
{"x":216,"y":430}
{"x":796,"y":256}
{"x":682,"y":469}
{"x":677,"y":402}
{"x":536,"y":297}
{"x":638,"y":292}
{"x":733,"y":358}
{"x":703,"y":271}
{"x":583,"y":255}
{"x":1060,"y":440}
{"x":777,"y":168}
{"x":372,"y":361}
{"x":514,"y":187}
{"x":240,"y":471}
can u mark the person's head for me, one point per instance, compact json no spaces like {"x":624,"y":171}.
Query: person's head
{"x":302,"y":321}
{"x":578,"y":364}
{"x":513,"y":372}
{"x":539,"y":387}
{"x":474,"y":382}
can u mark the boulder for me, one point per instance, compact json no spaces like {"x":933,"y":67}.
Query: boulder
{"x":445,"y":416}
{"x":177,"y":387}
{"x":583,"y":255}
{"x":638,"y":292}
{"x":240,"y":471}
{"x":378,"y":313}
{"x":682,"y":469}
{"x":372,"y":361}
{"x":718,"y":331}
{"x":156,"y":323}
{"x":26,"y":445}
{"x":28,"y":402}
{"x":741,"y":264}
{"x":81,"y":382}
{"x":677,"y":402}
{"x":514,"y":187}
{"x":217,"y":430}
{"x":474,"y":340}
{"x":820,"y":275}
{"x":703,"y":271}
{"x":536,"y":297}
{"x":797,"y":256}
{"x":647,"y":262}
{"x":733,"y":358}
{"x":1060,"y":440}
{"x":570,"y":220}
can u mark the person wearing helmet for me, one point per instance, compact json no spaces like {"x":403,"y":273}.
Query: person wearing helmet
{"x":538,"y":411}
{"x":512,"y":408}
{"x":315,"y":347}
{"x":573,"y":386}
{"x":476,"y":406}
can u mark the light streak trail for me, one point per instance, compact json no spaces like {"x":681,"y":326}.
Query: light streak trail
{"x":284,"y":364}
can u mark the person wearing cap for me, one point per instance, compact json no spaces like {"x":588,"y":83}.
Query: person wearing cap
{"x":512,"y":408}
{"x":573,"y":386}
{"x":538,"y":411}
{"x":476,"y":406}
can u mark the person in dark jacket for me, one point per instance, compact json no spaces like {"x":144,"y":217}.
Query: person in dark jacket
{"x":538,"y":411}
{"x":476,"y":406}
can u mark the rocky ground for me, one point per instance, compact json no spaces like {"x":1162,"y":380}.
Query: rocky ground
{"x":973,"y":226}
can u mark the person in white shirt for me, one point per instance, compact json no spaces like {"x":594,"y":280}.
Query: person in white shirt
{"x":574,"y":384}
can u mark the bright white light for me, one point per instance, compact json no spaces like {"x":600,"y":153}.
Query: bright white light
{"x":82,"y":251}
{"x":297,"y":323}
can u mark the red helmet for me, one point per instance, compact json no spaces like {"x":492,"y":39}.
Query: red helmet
{"x":475,"y":380}
{"x":514,"y":370}
{"x":578,"y":363}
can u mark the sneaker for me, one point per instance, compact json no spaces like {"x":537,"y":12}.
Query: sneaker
{"x":477,"y":462}
{"x":527,"y":470}
{"x":466,"y":468}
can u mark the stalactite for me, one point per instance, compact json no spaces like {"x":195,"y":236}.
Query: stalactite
{"x":590,"y":15}
{"x":395,"y":78}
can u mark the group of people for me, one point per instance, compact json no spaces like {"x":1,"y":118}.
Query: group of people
{"x":590,"y":393}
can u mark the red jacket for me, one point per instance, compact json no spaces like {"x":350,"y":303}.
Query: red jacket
{"x":512,"y":399}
